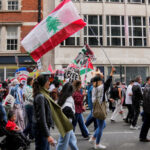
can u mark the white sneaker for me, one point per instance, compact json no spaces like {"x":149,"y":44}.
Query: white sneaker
{"x":100,"y":146}
{"x":91,"y":140}
{"x":134,"y":127}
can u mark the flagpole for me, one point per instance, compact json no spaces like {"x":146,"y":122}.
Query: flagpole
{"x":17,"y":61}
{"x":96,"y":37}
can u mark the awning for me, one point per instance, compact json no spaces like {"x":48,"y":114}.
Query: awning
{"x":11,"y":60}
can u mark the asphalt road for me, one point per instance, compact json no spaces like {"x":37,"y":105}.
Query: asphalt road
{"x":117,"y":136}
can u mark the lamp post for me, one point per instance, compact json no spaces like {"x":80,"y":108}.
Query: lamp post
{"x":39,"y":10}
{"x":121,"y":73}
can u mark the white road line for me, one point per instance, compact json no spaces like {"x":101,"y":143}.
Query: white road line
{"x":125,"y":132}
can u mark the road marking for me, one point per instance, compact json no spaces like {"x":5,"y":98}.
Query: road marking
{"x":125,"y":132}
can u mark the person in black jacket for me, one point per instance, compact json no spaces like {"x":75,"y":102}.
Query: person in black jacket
{"x":136,"y":100}
{"x":146,"y":107}
{"x":42,"y":115}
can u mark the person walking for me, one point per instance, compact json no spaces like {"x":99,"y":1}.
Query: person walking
{"x":42,"y":115}
{"x":136,"y":101}
{"x":28,"y":94}
{"x":46,"y":111}
{"x":68,"y":107}
{"x":17,"y":105}
{"x":128,"y":102}
{"x":90,"y":117}
{"x":98,"y":92}
{"x":79,"y":109}
{"x":116,"y":97}
{"x":146,"y":107}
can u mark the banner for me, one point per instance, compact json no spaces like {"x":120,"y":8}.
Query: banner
{"x":83,"y":56}
{"x":72,"y":74}
{"x":22,"y":75}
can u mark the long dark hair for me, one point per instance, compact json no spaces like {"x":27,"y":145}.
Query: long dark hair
{"x":29,"y":79}
{"x":76,"y":85}
{"x":39,"y":82}
{"x":66,"y":92}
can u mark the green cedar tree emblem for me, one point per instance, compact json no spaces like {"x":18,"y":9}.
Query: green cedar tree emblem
{"x":52,"y":24}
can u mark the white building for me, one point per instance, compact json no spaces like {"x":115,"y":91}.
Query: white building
{"x":122,"y":28}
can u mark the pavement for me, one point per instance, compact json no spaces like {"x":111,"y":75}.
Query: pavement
{"x":116,"y":136}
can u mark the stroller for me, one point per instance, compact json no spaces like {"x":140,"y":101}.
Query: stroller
{"x":12,"y":140}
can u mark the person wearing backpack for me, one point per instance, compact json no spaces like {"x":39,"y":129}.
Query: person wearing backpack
{"x":98,"y":94}
{"x":137,"y":97}
{"x":117,"y":97}
{"x":146,"y":107}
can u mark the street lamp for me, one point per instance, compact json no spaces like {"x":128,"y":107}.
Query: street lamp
{"x":39,"y":10}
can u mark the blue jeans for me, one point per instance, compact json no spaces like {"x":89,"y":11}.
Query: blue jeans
{"x":29,"y":127}
{"x":91,"y":119}
{"x":3,"y":114}
{"x":69,"y":139}
{"x":99,"y":131}
{"x":79,"y":118}
{"x":41,"y":142}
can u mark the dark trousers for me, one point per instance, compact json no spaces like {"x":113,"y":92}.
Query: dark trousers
{"x":79,"y":119}
{"x":41,"y":142}
{"x":136,"y":112}
{"x":130,"y":113}
{"x":29,"y":127}
{"x":145,"y":126}
{"x":90,"y":119}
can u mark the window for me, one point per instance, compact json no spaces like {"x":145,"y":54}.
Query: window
{"x":93,"y":0}
{"x":1,"y":75}
{"x":115,"y":1}
{"x":93,"y":33}
{"x":119,"y":74}
{"x":12,"y":38}
{"x":137,"y":31}
{"x":0,"y":4}
{"x":136,"y":1}
{"x":73,"y":40}
{"x":132,"y":72}
{"x":115,"y":30}
{"x":13,"y":5}
{"x":10,"y":73}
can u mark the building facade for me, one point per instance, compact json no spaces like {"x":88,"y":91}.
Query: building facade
{"x":17,"y":18}
{"x":119,"y":27}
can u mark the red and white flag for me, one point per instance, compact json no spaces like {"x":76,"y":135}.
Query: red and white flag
{"x":61,"y":23}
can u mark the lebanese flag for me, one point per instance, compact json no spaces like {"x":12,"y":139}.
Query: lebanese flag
{"x":61,"y":23}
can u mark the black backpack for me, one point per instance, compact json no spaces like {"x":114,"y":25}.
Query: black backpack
{"x":146,"y":99}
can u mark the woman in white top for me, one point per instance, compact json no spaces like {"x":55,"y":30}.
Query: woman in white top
{"x":68,"y":107}
{"x":128,"y":102}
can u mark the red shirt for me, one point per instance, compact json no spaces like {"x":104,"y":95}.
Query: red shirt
{"x":78,"y":100}
{"x":10,"y":125}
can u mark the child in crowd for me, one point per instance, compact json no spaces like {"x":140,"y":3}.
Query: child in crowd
{"x":11,"y":126}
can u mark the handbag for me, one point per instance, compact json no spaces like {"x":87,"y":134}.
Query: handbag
{"x":99,"y":110}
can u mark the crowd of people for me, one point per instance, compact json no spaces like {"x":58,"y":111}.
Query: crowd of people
{"x":38,"y":106}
